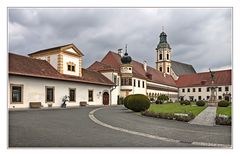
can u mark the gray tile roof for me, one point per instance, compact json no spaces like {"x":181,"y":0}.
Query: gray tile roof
{"x":182,"y":68}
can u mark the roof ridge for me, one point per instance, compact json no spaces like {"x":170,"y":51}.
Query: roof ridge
{"x":207,"y":72}
{"x":55,"y":47}
{"x":181,"y":63}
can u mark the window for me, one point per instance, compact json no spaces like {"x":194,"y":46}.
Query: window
{"x":49,"y":94}
{"x":199,"y":90}
{"x":16,"y":93}
{"x":199,"y":98}
{"x":160,"y":69}
{"x":72,"y":95}
{"x":126,"y":81}
{"x":115,"y":79}
{"x":143,"y":84}
{"x":168,"y":69}
{"x":160,"y":57}
{"x":138,"y":83}
{"x":183,"y":90}
{"x":208,"y":89}
{"x":134,"y":82}
{"x":129,"y":68}
{"x":90,"y":95}
{"x":188,"y":90}
{"x":208,"y":97}
{"x":71,"y":66}
{"x":226,"y":89}
{"x":167,"y":56}
{"x":193,"y":89}
{"x":219,"y":97}
{"x":220,"y":89}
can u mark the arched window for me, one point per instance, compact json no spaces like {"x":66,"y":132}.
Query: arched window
{"x":167,"y":56}
{"x":168,"y":69}
{"x":160,"y":69}
{"x":160,"y":57}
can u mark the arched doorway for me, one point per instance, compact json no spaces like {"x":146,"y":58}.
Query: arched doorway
{"x":105,"y":98}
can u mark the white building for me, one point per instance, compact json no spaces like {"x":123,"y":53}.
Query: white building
{"x":197,"y":86}
{"x":48,"y":75}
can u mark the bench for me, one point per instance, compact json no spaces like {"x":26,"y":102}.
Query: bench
{"x":35,"y":104}
{"x":83,"y":103}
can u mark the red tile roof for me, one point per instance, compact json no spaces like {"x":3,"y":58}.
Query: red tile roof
{"x":98,"y":66}
{"x":26,"y":66}
{"x":222,"y":77}
{"x":113,"y":60}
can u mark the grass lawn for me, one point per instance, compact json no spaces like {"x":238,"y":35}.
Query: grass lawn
{"x":175,"y":108}
{"x":224,"y":110}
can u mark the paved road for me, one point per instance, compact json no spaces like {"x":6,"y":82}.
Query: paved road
{"x":74,"y":128}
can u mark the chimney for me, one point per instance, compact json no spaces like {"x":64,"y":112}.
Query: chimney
{"x":120,"y":52}
{"x":145,"y":65}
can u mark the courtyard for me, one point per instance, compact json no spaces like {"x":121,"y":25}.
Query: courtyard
{"x":111,"y":126}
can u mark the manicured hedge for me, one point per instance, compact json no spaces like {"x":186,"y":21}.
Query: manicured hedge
{"x":223,"y":120}
{"x":137,"y":102}
{"x":170,"y":116}
{"x":185,"y":102}
{"x":223,"y":103}
{"x":200,"y":103}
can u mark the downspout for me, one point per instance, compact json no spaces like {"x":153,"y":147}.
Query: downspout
{"x":112,"y":89}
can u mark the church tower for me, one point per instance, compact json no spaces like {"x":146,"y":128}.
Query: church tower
{"x":163,"y":63}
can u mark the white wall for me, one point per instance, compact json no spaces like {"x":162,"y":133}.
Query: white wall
{"x":116,"y":91}
{"x":139,"y":90}
{"x":66,"y":59}
{"x":172,"y":95}
{"x":203,"y":92}
{"x":34,"y":91}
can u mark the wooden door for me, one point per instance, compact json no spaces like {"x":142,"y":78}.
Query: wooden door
{"x":105,"y":98}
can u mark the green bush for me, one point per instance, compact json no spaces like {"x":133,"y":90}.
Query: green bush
{"x":125,"y":102}
{"x":200,"y":103}
{"x":185,"y":102}
{"x":170,"y":116}
{"x":223,"y":103}
{"x":137,"y":102}
{"x":163,"y":98}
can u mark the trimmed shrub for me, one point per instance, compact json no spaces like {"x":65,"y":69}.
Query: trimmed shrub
{"x":200,"y":103}
{"x":125,"y":102}
{"x":137,"y":102}
{"x":170,"y":116}
{"x":223,"y":103}
{"x":185,"y":102}
{"x":186,"y":117}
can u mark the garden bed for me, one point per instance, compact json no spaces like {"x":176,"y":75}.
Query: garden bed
{"x":224,"y":116}
{"x":173,"y":111}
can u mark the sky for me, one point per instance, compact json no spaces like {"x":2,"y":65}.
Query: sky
{"x":201,"y":37}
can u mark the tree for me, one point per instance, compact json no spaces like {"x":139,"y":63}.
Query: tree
{"x":163,"y":98}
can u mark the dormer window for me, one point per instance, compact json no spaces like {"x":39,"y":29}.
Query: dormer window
{"x":71,"y":66}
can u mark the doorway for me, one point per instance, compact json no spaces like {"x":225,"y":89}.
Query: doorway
{"x":105,"y":98}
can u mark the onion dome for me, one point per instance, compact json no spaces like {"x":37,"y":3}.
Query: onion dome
{"x":163,"y":41}
{"x":126,"y":59}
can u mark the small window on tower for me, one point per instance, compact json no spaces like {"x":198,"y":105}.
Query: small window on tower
{"x":160,"y":69}
{"x":160,"y":57}
{"x":168,"y":69}
{"x":167,"y":56}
